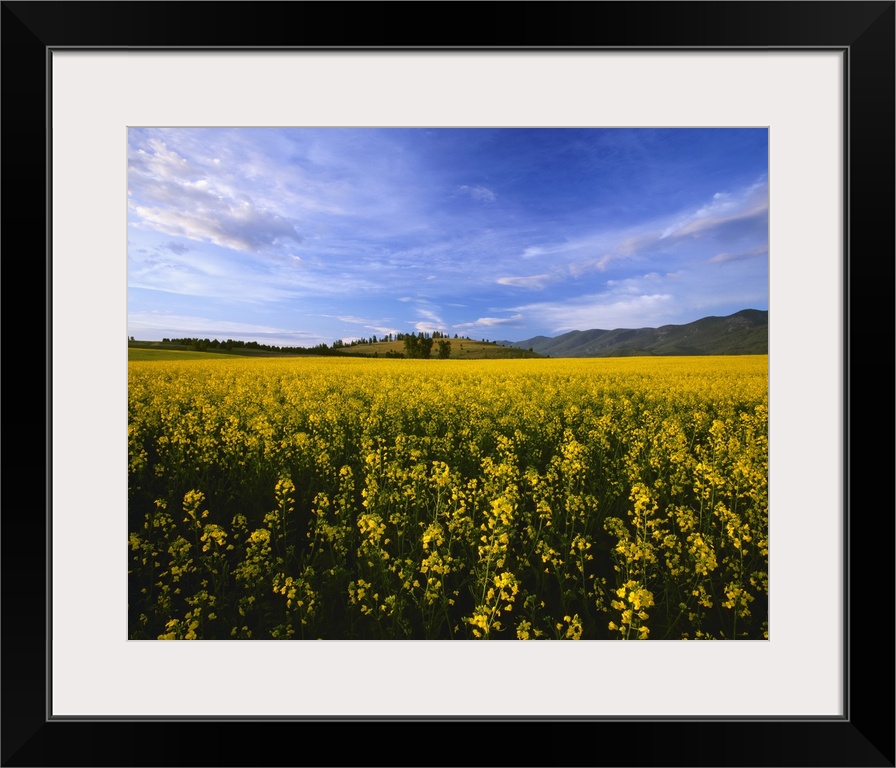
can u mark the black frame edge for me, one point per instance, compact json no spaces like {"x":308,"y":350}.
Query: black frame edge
{"x":864,"y":738}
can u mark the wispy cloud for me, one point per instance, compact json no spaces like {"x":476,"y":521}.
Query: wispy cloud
{"x":483,"y":194}
{"x":173,"y":325}
{"x":722,"y":217}
{"x":531,"y":281}
{"x":760,"y":251}
{"x":429,"y":320}
{"x":195,"y":200}
{"x":724,"y":209}
{"x":604,"y":311}
{"x":490,"y":322}
{"x":179,"y":248}
{"x":241,"y":226}
{"x":378,"y":326}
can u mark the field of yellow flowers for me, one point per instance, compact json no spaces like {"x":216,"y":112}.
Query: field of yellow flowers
{"x":321,"y":498}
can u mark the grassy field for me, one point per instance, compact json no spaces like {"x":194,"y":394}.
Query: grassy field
{"x":137,"y":353}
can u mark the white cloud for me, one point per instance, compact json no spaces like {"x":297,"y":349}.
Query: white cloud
{"x":532,"y":281}
{"x":190,"y":323}
{"x":241,"y":227}
{"x":491,"y":322}
{"x":605,"y":311}
{"x":164,"y":324}
{"x":579,"y":268}
{"x":753,"y":253}
{"x":724,"y":208}
{"x":198,"y":200}
{"x":483,"y":194}
{"x":383,"y":329}
{"x":377,"y":326}
{"x":431,"y":320}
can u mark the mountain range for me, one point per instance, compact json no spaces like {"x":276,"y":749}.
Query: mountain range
{"x":743,"y":333}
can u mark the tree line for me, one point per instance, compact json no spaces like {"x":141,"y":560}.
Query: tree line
{"x":416,"y":346}
{"x":213,"y":345}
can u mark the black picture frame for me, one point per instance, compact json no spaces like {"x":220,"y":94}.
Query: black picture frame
{"x":864,"y":31}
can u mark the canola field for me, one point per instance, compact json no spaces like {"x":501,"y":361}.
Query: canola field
{"x":341,"y":499}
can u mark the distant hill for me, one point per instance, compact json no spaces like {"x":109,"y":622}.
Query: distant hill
{"x":743,"y":333}
{"x":461,"y":349}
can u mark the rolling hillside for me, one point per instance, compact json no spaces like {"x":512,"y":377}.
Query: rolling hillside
{"x":461,"y":349}
{"x":743,"y":333}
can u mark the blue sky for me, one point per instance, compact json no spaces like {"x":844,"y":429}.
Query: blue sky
{"x":297,"y":236}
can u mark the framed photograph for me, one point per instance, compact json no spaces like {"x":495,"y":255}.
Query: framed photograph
{"x":84,"y":82}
